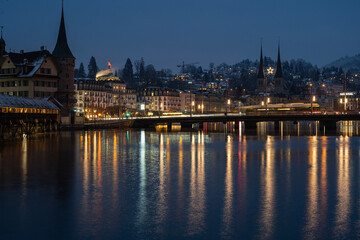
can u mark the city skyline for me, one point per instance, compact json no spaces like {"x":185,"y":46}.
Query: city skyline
{"x":192,"y":32}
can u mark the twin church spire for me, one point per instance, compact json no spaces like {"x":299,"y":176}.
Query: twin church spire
{"x":278,"y":73}
{"x":278,"y":77}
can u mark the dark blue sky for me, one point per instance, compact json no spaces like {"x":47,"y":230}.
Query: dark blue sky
{"x":166,"y":32}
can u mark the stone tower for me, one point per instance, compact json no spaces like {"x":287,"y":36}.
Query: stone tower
{"x":279,"y":78}
{"x":261,"y":81}
{"x":66,"y":64}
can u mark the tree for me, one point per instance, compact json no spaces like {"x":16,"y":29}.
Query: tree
{"x":142,"y":70}
{"x":76,"y":73}
{"x":150,"y":75}
{"x":82,"y":73}
{"x":128,"y":73}
{"x":92,"y":68}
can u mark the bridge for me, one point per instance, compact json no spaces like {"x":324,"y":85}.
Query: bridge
{"x":19,"y":116}
{"x":186,"y":121}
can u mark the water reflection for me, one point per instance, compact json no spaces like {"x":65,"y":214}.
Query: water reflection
{"x":312,"y":214}
{"x":343,"y":189}
{"x":267,"y":190}
{"x":161,"y":203}
{"x":228,"y":199}
{"x":196,"y":212}
{"x":142,"y":210}
{"x":172,"y":185}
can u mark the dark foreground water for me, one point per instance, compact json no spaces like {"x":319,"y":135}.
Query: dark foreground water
{"x":152,"y":185}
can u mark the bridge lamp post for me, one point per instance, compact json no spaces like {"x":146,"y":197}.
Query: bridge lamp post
{"x":228,"y":102}
{"x":345,"y":101}
{"x":266,"y":95}
{"x":191,"y":107}
{"x":311,"y":93}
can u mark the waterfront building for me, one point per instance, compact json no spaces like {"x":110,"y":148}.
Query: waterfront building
{"x":129,"y":100}
{"x":31,"y":74}
{"x":160,"y":99}
{"x":93,"y":97}
{"x":38,"y":74}
{"x":187,"y":101}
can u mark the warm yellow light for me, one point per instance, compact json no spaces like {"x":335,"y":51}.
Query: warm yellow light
{"x":346,"y":100}
{"x":323,"y":85}
{"x":314,"y":98}
{"x":310,"y":84}
{"x":268,"y":100}
{"x":94,"y":111}
{"x":341,"y":101}
{"x":228,"y":101}
{"x":199,"y":106}
{"x":262,"y":103}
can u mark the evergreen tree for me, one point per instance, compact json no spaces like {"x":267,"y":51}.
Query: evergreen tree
{"x":76,"y":73}
{"x":92,"y":68}
{"x":82,"y":73}
{"x":128,"y":72}
{"x":150,"y":75}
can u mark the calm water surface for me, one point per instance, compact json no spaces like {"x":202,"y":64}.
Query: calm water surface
{"x":180,"y":185}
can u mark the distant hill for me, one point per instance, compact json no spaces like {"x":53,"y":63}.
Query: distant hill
{"x":346,"y":63}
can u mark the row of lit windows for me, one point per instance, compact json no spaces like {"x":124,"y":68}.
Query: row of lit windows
{"x":19,"y":93}
{"x":43,"y":94}
{"x":45,"y":84}
{"x":45,"y":70}
{"x":8,"y":71}
{"x":28,"y":110}
{"x":15,"y":83}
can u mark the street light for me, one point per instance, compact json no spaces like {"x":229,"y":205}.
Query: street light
{"x":311,"y":93}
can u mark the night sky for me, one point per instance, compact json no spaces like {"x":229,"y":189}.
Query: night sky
{"x":167,"y":32}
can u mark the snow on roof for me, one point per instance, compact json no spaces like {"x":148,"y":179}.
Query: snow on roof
{"x":20,"y":102}
{"x":37,"y":64}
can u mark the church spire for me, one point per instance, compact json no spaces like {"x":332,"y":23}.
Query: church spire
{"x":278,"y":73}
{"x":2,"y":43}
{"x":261,"y":66}
{"x":62,"y":48}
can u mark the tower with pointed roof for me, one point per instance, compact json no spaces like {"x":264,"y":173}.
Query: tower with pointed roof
{"x":279,"y":78}
{"x":261,"y":81}
{"x":2,"y":44}
{"x":66,"y":64}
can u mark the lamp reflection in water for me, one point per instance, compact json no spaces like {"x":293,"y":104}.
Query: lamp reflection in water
{"x":161,"y":203}
{"x":181,"y":176}
{"x":115,"y":168}
{"x":196,"y":212}
{"x":142,"y":176}
{"x":323,"y":183}
{"x":242,"y":176}
{"x":228,"y":199}
{"x":343,"y":189}
{"x":312,"y":212}
{"x":267,"y":190}
{"x":24,"y":169}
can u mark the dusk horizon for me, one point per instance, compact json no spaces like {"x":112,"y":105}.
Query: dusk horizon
{"x":166,"y":34}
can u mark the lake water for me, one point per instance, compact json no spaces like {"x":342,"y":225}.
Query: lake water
{"x":117,"y":184}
